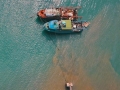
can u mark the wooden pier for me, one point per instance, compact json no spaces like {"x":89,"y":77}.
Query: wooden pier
{"x":69,"y":86}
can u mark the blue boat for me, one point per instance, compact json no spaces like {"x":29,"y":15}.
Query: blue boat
{"x":66,"y":26}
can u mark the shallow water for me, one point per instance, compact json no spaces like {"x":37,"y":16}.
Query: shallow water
{"x":31,"y":59}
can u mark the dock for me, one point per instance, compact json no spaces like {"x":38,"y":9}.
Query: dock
{"x":69,"y":86}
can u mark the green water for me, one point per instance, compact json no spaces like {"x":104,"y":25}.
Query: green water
{"x":31,"y":59}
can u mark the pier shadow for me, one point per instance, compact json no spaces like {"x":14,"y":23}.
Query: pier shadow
{"x":67,"y":88}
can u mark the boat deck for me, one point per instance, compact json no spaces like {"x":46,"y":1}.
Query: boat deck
{"x":68,"y":25}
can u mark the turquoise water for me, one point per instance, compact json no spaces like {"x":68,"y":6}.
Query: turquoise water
{"x":31,"y":59}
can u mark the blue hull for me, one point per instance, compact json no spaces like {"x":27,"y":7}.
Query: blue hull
{"x":63,"y":32}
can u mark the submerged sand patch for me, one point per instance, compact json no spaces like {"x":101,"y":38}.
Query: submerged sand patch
{"x":91,"y":70}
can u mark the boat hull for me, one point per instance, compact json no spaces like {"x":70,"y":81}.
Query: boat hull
{"x":64,"y":32}
{"x":50,"y":18}
{"x":54,"y":18}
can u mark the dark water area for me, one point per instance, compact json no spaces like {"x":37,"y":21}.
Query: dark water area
{"x":32,"y":59}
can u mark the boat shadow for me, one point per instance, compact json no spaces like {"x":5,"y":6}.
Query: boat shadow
{"x":61,"y":37}
{"x":63,"y":34}
{"x":40,"y":21}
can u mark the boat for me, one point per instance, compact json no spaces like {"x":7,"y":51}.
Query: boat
{"x":69,"y":86}
{"x":58,"y":13}
{"x":65,"y":26}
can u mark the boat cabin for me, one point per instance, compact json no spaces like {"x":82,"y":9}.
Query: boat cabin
{"x":62,"y":25}
{"x":52,"y":12}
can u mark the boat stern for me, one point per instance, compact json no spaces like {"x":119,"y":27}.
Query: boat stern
{"x":46,"y":26}
{"x":86,"y":24}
